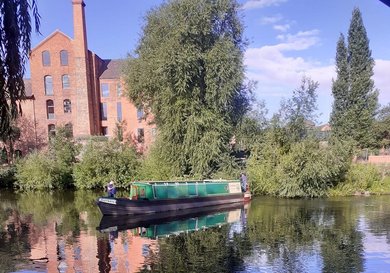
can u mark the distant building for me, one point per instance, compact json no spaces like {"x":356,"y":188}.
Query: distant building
{"x":324,"y":131}
{"x":72,"y":86}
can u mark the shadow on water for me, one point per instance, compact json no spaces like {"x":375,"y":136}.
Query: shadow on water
{"x":65,"y":232}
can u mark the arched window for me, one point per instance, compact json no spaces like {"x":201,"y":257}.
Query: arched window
{"x":64,"y":57}
{"x":51,"y":130}
{"x":45,"y":58}
{"x":18,"y":153}
{"x":50,"y":109}
{"x":67,"y":106}
{"x":65,"y":81}
{"x":48,"y":85}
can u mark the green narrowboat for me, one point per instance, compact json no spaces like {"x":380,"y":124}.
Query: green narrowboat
{"x":161,"y":196}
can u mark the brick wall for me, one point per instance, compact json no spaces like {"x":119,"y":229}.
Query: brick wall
{"x":379,"y":159}
{"x":53,"y":44}
{"x":84,"y":69}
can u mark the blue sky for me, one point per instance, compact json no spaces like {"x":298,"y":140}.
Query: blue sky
{"x":287,"y":39}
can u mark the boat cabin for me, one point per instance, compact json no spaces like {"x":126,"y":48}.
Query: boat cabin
{"x":182,"y":189}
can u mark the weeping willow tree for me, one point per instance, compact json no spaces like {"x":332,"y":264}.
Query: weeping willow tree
{"x":188,"y":70}
{"x":15,"y":33}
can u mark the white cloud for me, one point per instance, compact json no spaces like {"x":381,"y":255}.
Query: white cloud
{"x":382,"y":80}
{"x":278,"y":74}
{"x":257,"y":4}
{"x":271,"y":19}
{"x":282,"y":28}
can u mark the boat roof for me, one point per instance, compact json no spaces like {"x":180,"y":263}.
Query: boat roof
{"x":186,"y":181}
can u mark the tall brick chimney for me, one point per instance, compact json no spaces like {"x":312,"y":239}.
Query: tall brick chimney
{"x":83,"y":122}
{"x":79,"y":28}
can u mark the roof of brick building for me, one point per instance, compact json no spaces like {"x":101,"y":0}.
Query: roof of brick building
{"x":111,"y":69}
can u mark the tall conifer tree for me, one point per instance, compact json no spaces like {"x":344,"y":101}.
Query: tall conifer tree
{"x":340,"y":91}
{"x":355,"y":98}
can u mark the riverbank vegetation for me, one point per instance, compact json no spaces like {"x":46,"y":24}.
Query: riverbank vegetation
{"x":188,"y":72}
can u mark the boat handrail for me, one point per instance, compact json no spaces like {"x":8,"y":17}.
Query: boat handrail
{"x":186,"y":181}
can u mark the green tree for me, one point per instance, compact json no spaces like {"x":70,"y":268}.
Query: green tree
{"x":9,"y":139}
{"x":382,"y":126}
{"x":51,"y":168}
{"x":105,"y":161}
{"x":300,"y":110}
{"x":290,"y":161}
{"x":189,"y":72}
{"x":63,"y":151}
{"x":356,"y":99}
{"x":338,"y":118}
{"x":15,"y":31}
{"x":251,"y":128}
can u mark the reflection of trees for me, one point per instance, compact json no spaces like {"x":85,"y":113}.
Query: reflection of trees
{"x":25,"y":216}
{"x":42,"y":206}
{"x":286,"y":229}
{"x":202,"y":251}
{"x":63,"y":207}
{"x":342,"y":250}
{"x":378,"y":216}
{"x":14,"y":236}
{"x":281,"y":233}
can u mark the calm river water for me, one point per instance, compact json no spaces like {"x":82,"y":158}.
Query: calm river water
{"x":65,"y":232}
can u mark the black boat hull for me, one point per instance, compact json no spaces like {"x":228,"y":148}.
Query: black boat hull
{"x":124,"y":206}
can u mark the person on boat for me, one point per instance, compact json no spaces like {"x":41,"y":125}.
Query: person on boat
{"x":244,"y":182}
{"x":111,"y":190}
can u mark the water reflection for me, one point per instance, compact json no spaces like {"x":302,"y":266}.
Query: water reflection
{"x":65,"y":232}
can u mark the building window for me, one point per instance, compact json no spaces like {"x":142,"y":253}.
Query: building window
{"x":105,"y":90}
{"x":52,"y":130}
{"x":45,"y":58}
{"x":103,"y":111}
{"x":104,"y":130}
{"x":140,"y":135}
{"x":69,"y":130}
{"x":140,"y":113}
{"x":118,"y":89}
{"x":50,"y":109}
{"x":64,"y":57}
{"x":67,"y":106}
{"x":18,"y":153}
{"x":119,"y":111}
{"x":48,"y":85}
{"x":65,"y":81}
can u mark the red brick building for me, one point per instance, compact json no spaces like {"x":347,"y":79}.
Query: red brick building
{"x":72,"y":86}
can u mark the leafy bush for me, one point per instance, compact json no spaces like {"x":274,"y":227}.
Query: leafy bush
{"x":154,"y":166}
{"x":49,"y":169}
{"x":310,"y":170}
{"x":37,"y":171}
{"x":360,"y":178}
{"x":105,"y":161}
{"x":7,"y":176}
{"x":304,"y":169}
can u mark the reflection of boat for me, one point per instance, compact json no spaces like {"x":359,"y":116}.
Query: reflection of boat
{"x":163,"y":196}
{"x":173,"y":222}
